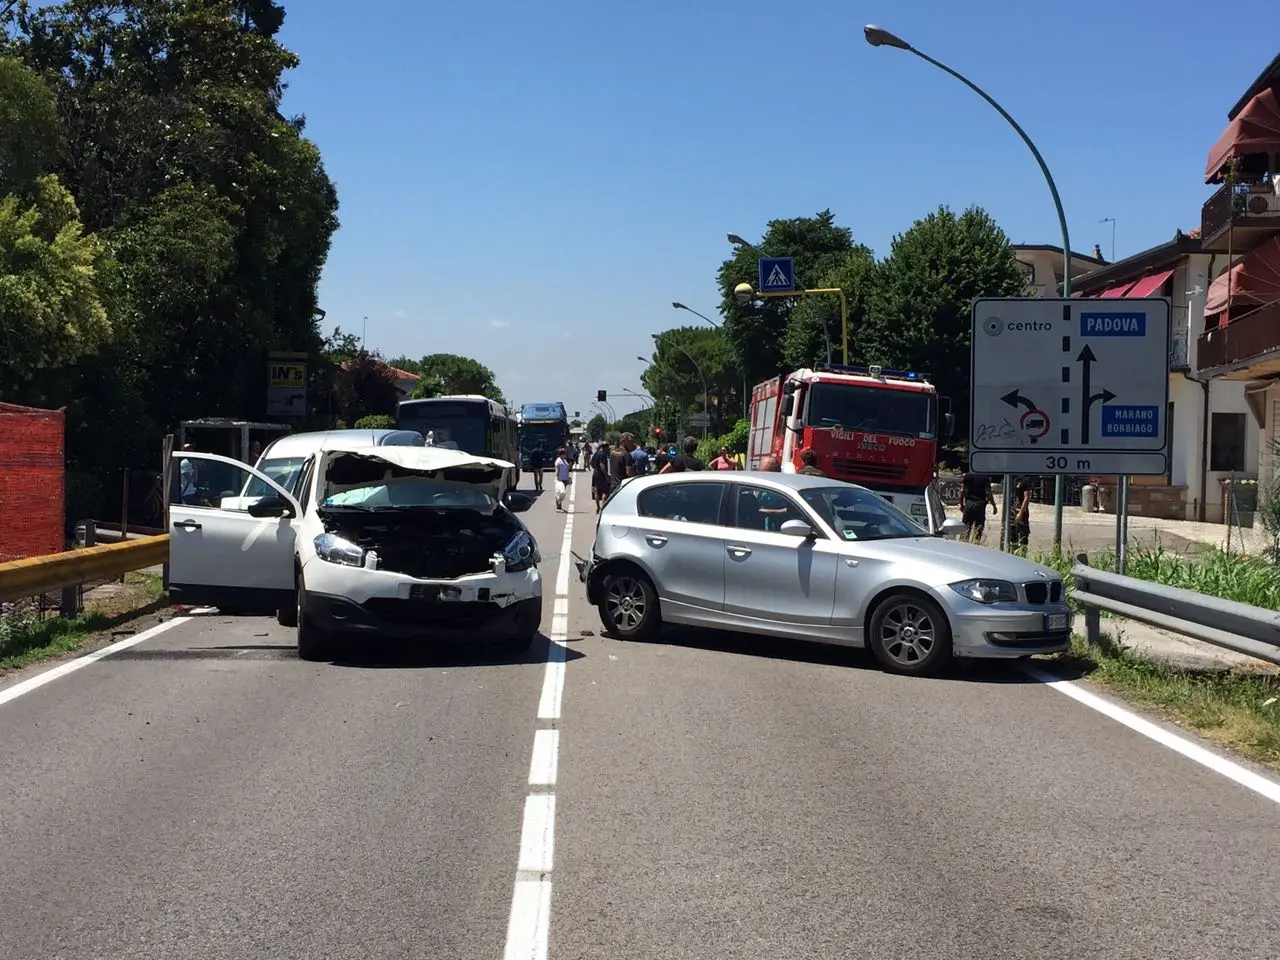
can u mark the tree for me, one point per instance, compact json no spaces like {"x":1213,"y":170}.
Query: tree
{"x":813,"y":330}
{"x":30,"y":131}
{"x":920,"y":315}
{"x":448,"y":374}
{"x":682,"y":357}
{"x":596,"y":426}
{"x":755,"y":332}
{"x":51,"y":309}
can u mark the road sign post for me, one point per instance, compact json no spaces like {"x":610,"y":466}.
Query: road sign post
{"x":1070,"y":387}
{"x":776,"y":275}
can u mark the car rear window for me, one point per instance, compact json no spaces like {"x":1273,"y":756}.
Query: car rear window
{"x":687,"y":502}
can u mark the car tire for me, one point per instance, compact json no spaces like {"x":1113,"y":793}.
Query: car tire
{"x":527,"y":629}
{"x":314,"y":644}
{"x":287,"y":614}
{"x":910,"y":634}
{"x":629,"y":605}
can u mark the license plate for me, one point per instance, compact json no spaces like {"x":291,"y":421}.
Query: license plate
{"x":433,"y":593}
{"x":1055,"y":621}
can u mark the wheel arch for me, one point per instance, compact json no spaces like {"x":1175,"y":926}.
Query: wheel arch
{"x":874,"y":604}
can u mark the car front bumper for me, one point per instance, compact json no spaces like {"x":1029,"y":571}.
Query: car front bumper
{"x":480,"y":607}
{"x":1007,"y":631}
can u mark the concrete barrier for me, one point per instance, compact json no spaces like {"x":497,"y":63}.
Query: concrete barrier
{"x":36,"y":575}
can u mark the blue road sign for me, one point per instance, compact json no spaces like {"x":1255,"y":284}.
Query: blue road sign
{"x":777,"y":275}
{"x":1121,"y":420}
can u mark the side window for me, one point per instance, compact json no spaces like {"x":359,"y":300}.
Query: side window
{"x":686,"y":502}
{"x":756,"y":508}
{"x":197,"y":481}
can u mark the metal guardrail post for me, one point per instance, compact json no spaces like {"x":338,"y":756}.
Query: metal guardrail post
{"x":1092,"y":615}
{"x":86,"y":536}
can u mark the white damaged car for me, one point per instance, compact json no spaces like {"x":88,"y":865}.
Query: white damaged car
{"x":396,"y":541}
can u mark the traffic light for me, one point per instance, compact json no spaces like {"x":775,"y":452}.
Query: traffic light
{"x":657,"y":431}
{"x":602,"y":396}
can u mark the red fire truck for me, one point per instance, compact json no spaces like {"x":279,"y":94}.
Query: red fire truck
{"x":874,"y":427}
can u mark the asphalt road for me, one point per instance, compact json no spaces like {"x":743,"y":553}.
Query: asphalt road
{"x":206,"y":795}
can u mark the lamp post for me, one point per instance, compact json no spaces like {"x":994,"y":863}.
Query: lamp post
{"x":878,"y":36}
{"x":706,"y":417}
{"x":741,"y":361}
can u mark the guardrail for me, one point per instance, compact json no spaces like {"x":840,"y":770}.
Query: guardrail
{"x":37,"y":575}
{"x":1248,"y":630}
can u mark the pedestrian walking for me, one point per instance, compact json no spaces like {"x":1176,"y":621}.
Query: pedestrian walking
{"x":600,"y":474}
{"x":1021,"y":532}
{"x":975,"y":494}
{"x":563,"y":479}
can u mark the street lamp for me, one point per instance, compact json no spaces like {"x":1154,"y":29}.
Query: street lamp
{"x":746,"y":293}
{"x":706,"y":417}
{"x":737,"y":241}
{"x":878,"y":36}
{"x":741,"y":360}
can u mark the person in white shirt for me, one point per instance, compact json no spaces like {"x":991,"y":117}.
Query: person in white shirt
{"x":562,"y":478}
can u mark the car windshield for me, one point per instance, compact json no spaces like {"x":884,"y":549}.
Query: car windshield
{"x":857,"y":514}
{"x":872,"y":409}
{"x":283,"y":471}
{"x":411,"y":493}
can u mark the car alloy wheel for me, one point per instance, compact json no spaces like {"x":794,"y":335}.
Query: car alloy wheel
{"x":909,"y":634}
{"x":629,"y":606}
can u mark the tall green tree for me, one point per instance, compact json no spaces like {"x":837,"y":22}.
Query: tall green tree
{"x":687,"y":361}
{"x":446,"y":374}
{"x":920,"y":315}
{"x":756,"y":331}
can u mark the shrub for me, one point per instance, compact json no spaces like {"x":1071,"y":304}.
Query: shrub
{"x":376,"y":421}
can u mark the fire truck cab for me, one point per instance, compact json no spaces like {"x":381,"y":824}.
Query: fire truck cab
{"x":870,"y":426}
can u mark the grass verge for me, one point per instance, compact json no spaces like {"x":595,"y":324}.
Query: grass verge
{"x":26,"y":637}
{"x":1239,"y":709}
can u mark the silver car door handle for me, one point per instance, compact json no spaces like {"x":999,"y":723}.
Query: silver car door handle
{"x":738,"y":550}
{"x":188,"y":525}
{"x":654,"y":540}
{"x":851,"y":563}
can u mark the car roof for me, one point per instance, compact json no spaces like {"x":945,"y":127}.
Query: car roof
{"x":789,"y":481}
{"x":305,"y":444}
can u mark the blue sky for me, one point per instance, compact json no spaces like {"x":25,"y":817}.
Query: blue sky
{"x":533,"y":184}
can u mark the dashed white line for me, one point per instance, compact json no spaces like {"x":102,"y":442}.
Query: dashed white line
{"x":1167,"y":738}
{"x":546,"y":749}
{"x":71,"y":666}
{"x":529,"y":925}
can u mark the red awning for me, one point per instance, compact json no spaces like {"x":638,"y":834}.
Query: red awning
{"x":1256,"y":129}
{"x":1149,"y":286}
{"x":1117,"y":291}
{"x":1255,"y":280}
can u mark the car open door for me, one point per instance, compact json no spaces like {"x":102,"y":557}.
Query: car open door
{"x":226,"y":556}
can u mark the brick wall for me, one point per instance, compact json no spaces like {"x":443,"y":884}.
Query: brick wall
{"x":31,"y":482}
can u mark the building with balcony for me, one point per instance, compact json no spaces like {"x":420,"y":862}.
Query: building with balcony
{"x":1207,"y":419}
{"x":1238,"y":340}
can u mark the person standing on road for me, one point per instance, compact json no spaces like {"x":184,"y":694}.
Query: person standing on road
{"x":586,"y":455}
{"x":621,"y":464}
{"x":725,"y":461}
{"x":688,"y":460}
{"x":975,"y":494}
{"x":640,"y":460}
{"x":809,"y":459}
{"x":600,"y":474}
{"x":770,"y":464}
{"x":562,"y":478}
{"x":536,"y":462}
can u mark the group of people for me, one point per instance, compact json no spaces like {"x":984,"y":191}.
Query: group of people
{"x":976,"y":494}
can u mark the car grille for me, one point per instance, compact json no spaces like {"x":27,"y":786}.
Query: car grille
{"x":1043,"y":591}
{"x":869,"y":468}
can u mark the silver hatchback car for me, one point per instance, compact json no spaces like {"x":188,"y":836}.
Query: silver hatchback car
{"x":800,"y":556}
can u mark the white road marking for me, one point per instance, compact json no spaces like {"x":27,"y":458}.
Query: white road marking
{"x":1167,"y":738}
{"x":529,"y":925}
{"x":546,"y":748}
{"x":71,"y":666}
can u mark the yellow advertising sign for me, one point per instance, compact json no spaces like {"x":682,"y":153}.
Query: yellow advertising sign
{"x":286,"y":375}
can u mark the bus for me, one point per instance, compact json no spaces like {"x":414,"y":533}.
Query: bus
{"x":471,"y":423}
{"x":543,"y":425}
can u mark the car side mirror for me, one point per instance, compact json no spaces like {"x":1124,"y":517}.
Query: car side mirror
{"x":951,"y":528}
{"x":270,"y":507}
{"x":797,"y":528}
{"x":518,"y":502}
{"x":948,"y":425}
